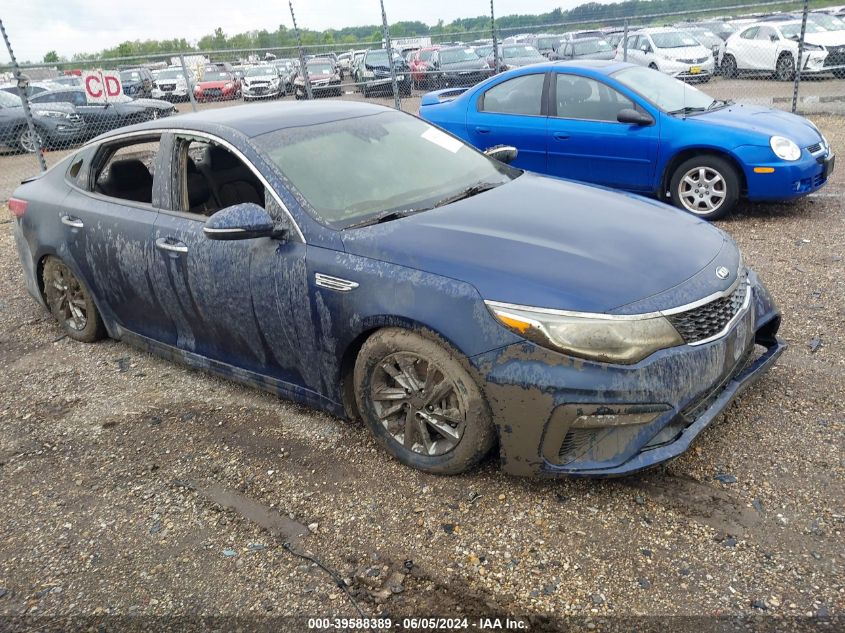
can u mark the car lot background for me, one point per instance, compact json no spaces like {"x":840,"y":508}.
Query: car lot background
{"x":136,"y":487}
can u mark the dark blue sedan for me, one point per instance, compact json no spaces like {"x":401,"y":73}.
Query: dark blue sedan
{"x":580,"y":330}
{"x":634,"y":128}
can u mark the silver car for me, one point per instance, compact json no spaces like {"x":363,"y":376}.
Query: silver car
{"x":262,"y":82}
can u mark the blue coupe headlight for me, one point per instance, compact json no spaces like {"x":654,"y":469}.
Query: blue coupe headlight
{"x":785,"y":148}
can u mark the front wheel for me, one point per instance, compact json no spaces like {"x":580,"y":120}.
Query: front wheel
{"x":421,"y":404}
{"x":70,"y":302}
{"x":30,"y":142}
{"x":707,"y":186}
{"x":785,"y":68}
{"x":729,"y":69}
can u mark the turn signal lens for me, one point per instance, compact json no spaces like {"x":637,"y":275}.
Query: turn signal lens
{"x":17,"y":207}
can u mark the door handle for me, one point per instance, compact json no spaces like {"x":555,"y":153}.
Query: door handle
{"x":482,"y":130}
{"x":171,"y":244}
{"x":72,"y":221}
{"x":561,"y":136}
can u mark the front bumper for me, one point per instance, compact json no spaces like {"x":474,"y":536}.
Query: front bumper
{"x":691,"y":70}
{"x":179,"y":94}
{"x":787,"y":180}
{"x":562,"y":416}
{"x":262,"y":93}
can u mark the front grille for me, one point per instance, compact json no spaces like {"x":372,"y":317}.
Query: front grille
{"x":710,"y":319}
{"x":167,"y":87}
{"x":75,"y":118}
{"x":697,"y":60}
{"x":814,"y":148}
{"x":213,"y":92}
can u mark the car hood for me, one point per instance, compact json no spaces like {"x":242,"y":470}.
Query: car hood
{"x":151,"y":103}
{"x":553,"y":243}
{"x":215,"y":84}
{"x":523,"y":61}
{"x":253,"y":79}
{"x":471,"y":64}
{"x":828,"y":38}
{"x":685,"y":52}
{"x":67,"y":108}
{"x":763,"y":121}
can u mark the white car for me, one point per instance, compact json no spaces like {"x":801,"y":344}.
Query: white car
{"x":170,"y":84}
{"x":772,"y":47}
{"x":670,"y":51}
{"x":835,"y":42}
{"x":262,"y":82}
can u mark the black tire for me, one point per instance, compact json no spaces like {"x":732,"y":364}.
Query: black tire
{"x":68,"y":298}
{"x":729,"y":68}
{"x":458,"y":399}
{"x":785,"y":67}
{"x":725,"y":181}
{"x":365,"y":92}
{"x":25,"y":141}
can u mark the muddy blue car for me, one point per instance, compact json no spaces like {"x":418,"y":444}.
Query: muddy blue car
{"x":575,"y":330}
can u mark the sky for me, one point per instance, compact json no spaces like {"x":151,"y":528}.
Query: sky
{"x":74,"y":26}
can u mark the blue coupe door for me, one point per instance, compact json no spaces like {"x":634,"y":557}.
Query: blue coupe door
{"x":587,"y":143}
{"x":512,"y":113}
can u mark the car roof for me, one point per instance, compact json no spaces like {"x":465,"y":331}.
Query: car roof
{"x":255,"y":119}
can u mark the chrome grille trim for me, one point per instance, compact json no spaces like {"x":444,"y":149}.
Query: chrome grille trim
{"x":713,"y":319}
{"x":334,"y":283}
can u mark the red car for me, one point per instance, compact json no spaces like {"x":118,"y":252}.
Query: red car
{"x":218,"y":82}
{"x":420,"y":64}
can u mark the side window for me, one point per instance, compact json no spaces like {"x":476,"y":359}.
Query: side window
{"x":213,"y":178}
{"x":44,"y":98}
{"x":520,"y":95}
{"x":750,"y":34}
{"x":78,"y":171}
{"x":126,"y":171}
{"x":765,"y":33}
{"x":587,"y":99}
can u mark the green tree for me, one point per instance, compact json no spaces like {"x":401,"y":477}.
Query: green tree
{"x":52,"y":57}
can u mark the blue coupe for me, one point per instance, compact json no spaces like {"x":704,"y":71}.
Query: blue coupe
{"x":582,"y":331}
{"x":634,"y":128}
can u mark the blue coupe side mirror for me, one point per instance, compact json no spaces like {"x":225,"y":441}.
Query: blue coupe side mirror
{"x":240,"y":222}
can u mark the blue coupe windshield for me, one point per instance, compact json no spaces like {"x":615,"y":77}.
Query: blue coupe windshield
{"x":668,"y":94}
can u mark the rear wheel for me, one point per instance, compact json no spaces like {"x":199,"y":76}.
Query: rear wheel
{"x":421,"y":404}
{"x":729,"y":70}
{"x":785,"y":68}
{"x":706,"y":186}
{"x":70,"y":302}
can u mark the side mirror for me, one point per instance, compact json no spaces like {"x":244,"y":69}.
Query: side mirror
{"x":502,"y":153}
{"x":629,"y":115}
{"x":240,"y":222}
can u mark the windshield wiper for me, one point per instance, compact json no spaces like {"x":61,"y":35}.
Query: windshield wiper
{"x":386,"y":216}
{"x":719,"y":103}
{"x":470,"y":191}
{"x":688,"y":110}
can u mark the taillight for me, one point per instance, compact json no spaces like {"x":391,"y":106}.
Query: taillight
{"x":17,"y":207}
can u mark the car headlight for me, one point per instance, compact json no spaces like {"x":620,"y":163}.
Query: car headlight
{"x":785,"y":148}
{"x":623,"y":341}
{"x":812,"y":47}
{"x":52,"y":114}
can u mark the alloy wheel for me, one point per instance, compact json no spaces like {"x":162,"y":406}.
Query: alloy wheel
{"x":702,"y":190}
{"x":417,"y":404}
{"x":28,"y":141}
{"x":66,"y":298}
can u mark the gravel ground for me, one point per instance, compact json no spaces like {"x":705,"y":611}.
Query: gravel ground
{"x":135,"y":487}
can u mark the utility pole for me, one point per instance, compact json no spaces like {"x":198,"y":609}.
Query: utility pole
{"x":302,"y":66}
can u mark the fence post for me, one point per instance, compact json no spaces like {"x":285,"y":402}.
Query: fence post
{"x":800,"y":61}
{"x":23,"y":84}
{"x":188,"y":83}
{"x":386,"y":33}
{"x":495,"y":39}
{"x":625,"y":43}
{"x":303,"y":68}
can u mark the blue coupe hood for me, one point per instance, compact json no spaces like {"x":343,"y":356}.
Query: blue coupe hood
{"x":759,"y":120}
{"x":552,"y":243}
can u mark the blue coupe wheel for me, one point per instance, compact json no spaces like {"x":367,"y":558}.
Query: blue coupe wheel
{"x":706,"y":186}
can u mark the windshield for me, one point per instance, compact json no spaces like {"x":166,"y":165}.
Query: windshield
{"x":130,"y":75}
{"x":426,"y":55}
{"x":547,"y":42}
{"x":175,"y":73}
{"x":8,"y":100}
{"x":455,"y":55}
{"x":668,"y":94}
{"x":673,"y":39}
{"x":588,"y":47}
{"x":521,"y":52}
{"x":219,"y":75}
{"x":362,"y":154}
{"x":260,"y":71}
{"x":319,"y":69}
{"x":828,"y":22}
{"x":793,"y":29}
{"x":379,"y":57}
{"x":483,"y":51}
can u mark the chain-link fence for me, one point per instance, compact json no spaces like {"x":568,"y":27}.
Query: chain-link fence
{"x":786,"y":55}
